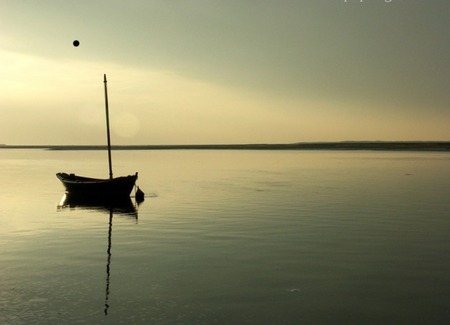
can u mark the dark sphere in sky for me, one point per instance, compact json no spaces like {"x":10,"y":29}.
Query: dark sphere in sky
{"x":76,"y":43}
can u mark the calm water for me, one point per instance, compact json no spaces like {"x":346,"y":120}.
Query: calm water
{"x":229,"y":237}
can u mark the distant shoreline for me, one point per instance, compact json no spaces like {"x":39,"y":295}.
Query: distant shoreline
{"x":440,"y":146}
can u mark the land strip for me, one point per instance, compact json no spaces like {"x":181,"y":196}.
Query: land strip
{"x":346,"y":145}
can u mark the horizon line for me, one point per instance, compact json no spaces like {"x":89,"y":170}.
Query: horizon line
{"x":320,"y":145}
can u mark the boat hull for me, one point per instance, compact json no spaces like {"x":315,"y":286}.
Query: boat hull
{"x":86,"y":187}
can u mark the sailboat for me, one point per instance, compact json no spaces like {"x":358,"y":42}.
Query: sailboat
{"x":97,"y":188}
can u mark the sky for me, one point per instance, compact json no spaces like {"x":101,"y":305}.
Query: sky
{"x":221,"y":72}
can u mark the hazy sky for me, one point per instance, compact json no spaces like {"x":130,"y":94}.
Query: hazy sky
{"x":197,"y":71}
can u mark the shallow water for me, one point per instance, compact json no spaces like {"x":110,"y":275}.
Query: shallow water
{"x":226,"y":237}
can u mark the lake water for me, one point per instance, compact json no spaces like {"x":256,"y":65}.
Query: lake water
{"x":229,"y":237}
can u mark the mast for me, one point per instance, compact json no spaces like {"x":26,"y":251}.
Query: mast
{"x":107,"y":129}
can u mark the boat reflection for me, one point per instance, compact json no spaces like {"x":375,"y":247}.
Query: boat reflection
{"x":122,"y":206}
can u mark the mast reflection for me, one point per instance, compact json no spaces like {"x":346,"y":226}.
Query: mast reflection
{"x":108,"y":263}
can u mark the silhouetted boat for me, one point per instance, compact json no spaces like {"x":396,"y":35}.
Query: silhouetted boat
{"x":95,"y":187}
{"x":87,"y":187}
